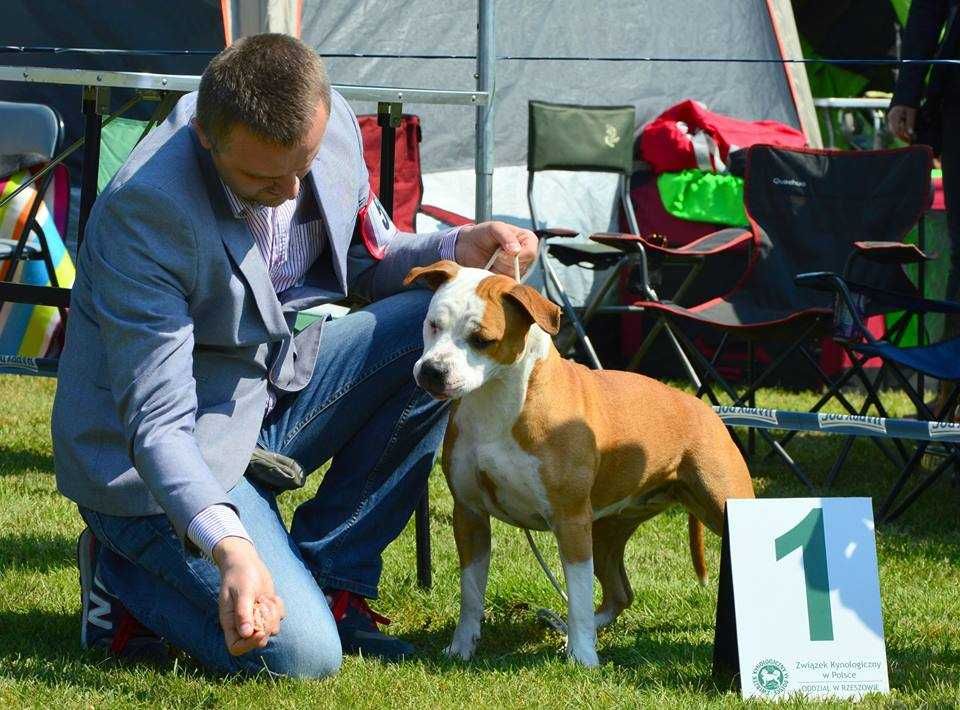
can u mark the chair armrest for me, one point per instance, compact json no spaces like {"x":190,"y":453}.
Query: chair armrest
{"x":555,"y":232}
{"x":847,"y":310}
{"x":819,"y":280}
{"x":445,"y":216}
{"x":890,"y":252}
{"x":628,"y":242}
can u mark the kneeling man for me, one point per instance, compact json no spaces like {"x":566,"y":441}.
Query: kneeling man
{"x":247,"y":205}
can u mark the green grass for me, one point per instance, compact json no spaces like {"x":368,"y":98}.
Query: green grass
{"x":658,"y":654}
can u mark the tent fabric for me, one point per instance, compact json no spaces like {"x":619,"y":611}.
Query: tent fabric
{"x":117,"y":139}
{"x":699,"y":196}
{"x":626,"y":28}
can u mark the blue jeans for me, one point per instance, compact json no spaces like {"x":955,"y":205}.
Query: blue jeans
{"x":363,"y":410}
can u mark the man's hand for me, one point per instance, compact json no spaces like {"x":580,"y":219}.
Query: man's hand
{"x":477,"y":243}
{"x":901,"y":120}
{"x":250,"y":610}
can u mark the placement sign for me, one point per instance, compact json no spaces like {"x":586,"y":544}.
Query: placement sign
{"x":799,"y":608}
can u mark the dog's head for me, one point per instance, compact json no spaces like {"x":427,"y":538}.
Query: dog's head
{"x":476,"y":326}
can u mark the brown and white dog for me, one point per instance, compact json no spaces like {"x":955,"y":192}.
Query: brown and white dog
{"x":546,"y":444}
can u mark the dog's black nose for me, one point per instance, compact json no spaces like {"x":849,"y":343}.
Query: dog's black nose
{"x":432,"y":377}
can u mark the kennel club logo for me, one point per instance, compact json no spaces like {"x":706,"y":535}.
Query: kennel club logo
{"x":770,"y":677}
{"x":851,"y":421}
{"x":747,"y":415}
{"x":944,"y":431}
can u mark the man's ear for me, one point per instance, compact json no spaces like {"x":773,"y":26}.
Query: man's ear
{"x":435,"y":275}
{"x":201,"y":134}
{"x":544,"y":313}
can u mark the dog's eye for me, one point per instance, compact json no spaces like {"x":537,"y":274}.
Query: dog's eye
{"x":479,"y":342}
{"x":434,"y":326}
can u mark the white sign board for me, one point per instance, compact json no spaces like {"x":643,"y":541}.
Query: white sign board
{"x":806,"y":598}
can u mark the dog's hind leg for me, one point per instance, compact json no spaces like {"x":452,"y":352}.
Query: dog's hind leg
{"x":472,"y":533}
{"x":610,"y":537}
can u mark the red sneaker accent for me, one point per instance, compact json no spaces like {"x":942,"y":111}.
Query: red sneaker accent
{"x":342,"y":600}
{"x":128,"y":628}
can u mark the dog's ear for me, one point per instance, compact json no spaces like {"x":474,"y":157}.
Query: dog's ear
{"x":544,"y":313}
{"x":435,"y":275}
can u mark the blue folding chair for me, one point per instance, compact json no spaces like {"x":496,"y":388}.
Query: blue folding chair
{"x":940,"y":360}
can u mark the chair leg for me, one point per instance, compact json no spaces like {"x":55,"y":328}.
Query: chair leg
{"x":422,"y":534}
{"x":751,"y":399}
{"x":886,"y":514}
{"x":838,"y":464}
{"x":572,"y":315}
{"x":648,"y":341}
{"x":916,"y":492}
{"x":731,"y":393}
{"x":901,"y":482}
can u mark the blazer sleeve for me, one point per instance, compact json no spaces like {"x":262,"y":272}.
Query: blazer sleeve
{"x":380,"y":255}
{"x":924,"y":25}
{"x":141,"y":257}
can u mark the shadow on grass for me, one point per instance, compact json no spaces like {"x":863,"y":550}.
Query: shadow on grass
{"x":657,"y":655}
{"x":38,"y":553}
{"x":14,"y":461}
{"x":42,"y":647}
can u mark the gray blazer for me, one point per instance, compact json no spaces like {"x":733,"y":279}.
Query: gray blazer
{"x":175,"y":329}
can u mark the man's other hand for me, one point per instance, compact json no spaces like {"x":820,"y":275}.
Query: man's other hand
{"x":478,"y":242}
{"x":901,"y":120}
{"x":250,"y":610}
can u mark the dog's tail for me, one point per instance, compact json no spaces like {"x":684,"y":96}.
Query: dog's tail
{"x":696,"y":548}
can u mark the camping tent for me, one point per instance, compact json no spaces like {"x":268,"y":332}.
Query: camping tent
{"x":750,"y":29}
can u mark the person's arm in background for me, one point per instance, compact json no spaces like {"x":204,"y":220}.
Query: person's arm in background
{"x":141,"y":257}
{"x":920,"y":36}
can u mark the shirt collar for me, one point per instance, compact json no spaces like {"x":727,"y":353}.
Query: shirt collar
{"x":239,"y":206}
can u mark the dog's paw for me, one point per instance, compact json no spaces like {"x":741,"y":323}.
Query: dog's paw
{"x":462,"y":646}
{"x":463,"y":652}
{"x":583,"y":656}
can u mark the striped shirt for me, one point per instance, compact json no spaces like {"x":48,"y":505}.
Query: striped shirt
{"x":288,"y":246}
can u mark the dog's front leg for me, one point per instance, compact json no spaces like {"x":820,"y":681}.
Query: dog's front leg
{"x":574,"y":539}
{"x":472,"y":533}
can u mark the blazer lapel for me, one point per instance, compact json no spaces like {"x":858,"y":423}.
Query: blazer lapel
{"x":338,"y":206}
{"x":242,"y":248}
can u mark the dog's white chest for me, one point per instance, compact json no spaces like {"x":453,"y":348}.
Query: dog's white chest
{"x":491,"y":473}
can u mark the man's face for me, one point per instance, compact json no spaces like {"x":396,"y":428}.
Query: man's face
{"x":263,"y":172}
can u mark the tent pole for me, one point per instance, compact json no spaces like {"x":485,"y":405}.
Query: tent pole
{"x":483,"y":160}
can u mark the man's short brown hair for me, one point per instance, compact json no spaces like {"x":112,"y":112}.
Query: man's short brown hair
{"x":270,"y":83}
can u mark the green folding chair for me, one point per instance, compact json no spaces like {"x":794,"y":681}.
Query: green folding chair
{"x":590,"y":139}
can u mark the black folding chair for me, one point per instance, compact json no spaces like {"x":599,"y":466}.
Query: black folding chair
{"x":806,"y":209}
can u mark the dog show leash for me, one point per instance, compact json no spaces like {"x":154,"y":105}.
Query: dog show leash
{"x":516,"y":263}
{"x":547,"y":615}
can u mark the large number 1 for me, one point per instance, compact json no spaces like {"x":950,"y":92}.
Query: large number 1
{"x":808,"y":535}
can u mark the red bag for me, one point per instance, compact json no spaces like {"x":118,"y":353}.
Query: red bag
{"x":407,"y":186}
{"x":689,"y":136}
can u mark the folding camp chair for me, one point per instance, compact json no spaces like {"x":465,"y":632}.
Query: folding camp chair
{"x":34,"y":220}
{"x":806,"y":208}
{"x":597,"y":139}
{"x":940,"y":360}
